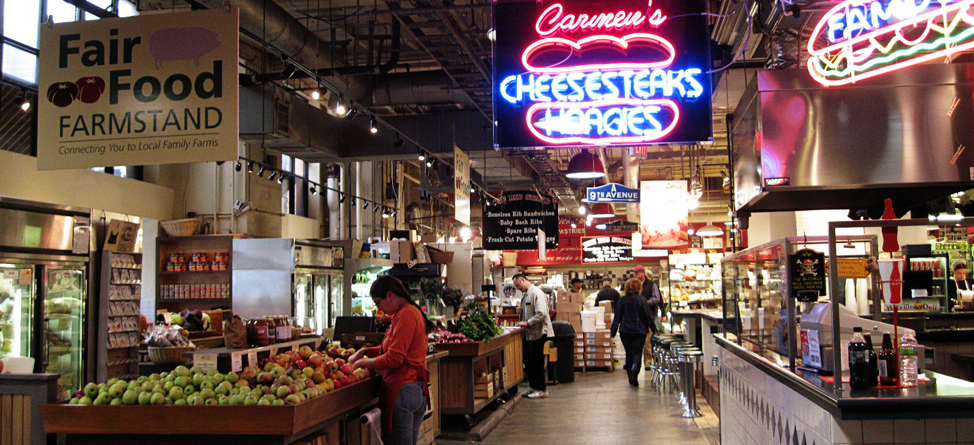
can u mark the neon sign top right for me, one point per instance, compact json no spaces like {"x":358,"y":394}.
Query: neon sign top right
{"x":859,"y":39}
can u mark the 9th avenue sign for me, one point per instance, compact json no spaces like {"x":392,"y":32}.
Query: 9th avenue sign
{"x":612,"y":192}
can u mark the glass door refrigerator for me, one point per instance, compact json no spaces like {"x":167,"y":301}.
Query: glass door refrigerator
{"x":44,"y":258}
{"x":318,"y":284}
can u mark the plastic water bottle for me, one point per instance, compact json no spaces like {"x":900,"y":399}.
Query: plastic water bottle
{"x":908,"y":360}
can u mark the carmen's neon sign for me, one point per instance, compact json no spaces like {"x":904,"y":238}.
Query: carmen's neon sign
{"x":868,"y":38}
{"x":600,"y":89}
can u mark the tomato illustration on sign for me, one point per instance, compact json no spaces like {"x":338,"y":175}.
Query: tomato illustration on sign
{"x":62,"y":94}
{"x":90,"y":89}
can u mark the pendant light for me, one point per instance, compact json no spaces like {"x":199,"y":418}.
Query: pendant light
{"x":602,"y":210}
{"x":710,"y":230}
{"x":585,"y":165}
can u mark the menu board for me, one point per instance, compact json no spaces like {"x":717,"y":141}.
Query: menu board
{"x":606,"y":249}
{"x":514,"y":221}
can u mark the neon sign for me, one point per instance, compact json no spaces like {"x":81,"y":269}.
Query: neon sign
{"x":610,"y":76}
{"x":868,"y":38}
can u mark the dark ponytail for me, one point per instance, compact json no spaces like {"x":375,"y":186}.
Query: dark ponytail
{"x":389,"y":283}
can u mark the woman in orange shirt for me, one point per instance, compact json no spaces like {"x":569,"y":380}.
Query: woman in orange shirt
{"x":401,"y":360}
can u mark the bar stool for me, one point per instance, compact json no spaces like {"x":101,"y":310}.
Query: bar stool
{"x":655,"y":367}
{"x":678,"y":350}
{"x":661,"y":358}
{"x":671,"y":369}
{"x":689,"y":358}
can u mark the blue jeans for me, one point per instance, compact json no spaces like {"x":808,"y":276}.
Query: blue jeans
{"x":407,"y":415}
{"x":633,"y":343}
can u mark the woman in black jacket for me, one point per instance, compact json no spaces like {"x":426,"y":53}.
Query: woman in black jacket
{"x":632,"y":322}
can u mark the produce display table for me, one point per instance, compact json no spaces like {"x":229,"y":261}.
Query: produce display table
{"x":468,"y":360}
{"x":235,"y":359}
{"x":208,"y":425}
{"x":21,"y":396}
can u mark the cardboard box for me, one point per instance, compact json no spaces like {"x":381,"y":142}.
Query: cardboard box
{"x":579,"y":357}
{"x":607,"y":305}
{"x":575,"y":319}
{"x":599,"y":334}
{"x":598,"y":349}
{"x":579,"y":335}
{"x":593,"y":342}
{"x":553,"y":354}
{"x":565,"y":308}
{"x":600,"y":356}
{"x":579,"y":349}
{"x":401,"y":251}
{"x":509,"y":259}
{"x":598,"y":363}
{"x":577,"y":297}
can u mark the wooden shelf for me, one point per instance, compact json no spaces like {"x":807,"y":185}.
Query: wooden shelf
{"x":115,"y":362}
{"x":194,"y":272}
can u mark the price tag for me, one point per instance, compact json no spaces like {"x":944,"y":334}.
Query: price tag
{"x":235,"y":362}
{"x":294,"y":347}
{"x":273,"y":351}
{"x":10,"y":274}
{"x":252,"y":358}
{"x":205,"y":362}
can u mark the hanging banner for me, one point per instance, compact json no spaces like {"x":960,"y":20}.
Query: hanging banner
{"x":619,"y":225}
{"x":513,"y":222}
{"x":461,"y":185}
{"x":612,"y":193}
{"x":151,"y":89}
{"x":606,"y":249}
{"x":614,"y":72}
{"x":663,"y":215}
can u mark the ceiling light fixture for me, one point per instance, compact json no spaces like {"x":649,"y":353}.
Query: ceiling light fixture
{"x":272,"y":176}
{"x":582,"y":210}
{"x":340,"y":107}
{"x":398,"y":142}
{"x":312,"y":189}
{"x":696,"y":184}
{"x":372,"y":128}
{"x":710,"y":230}
{"x":315,"y":94}
{"x":25,"y":104}
{"x":280,"y":179}
{"x":602,"y":210}
{"x":365,"y":205}
{"x":341,"y":199}
{"x":260,"y":173}
{"x":723,"y":174}
{"x":422,"y":154}
{"x":585,"y":165}
{"x":238,"y":167}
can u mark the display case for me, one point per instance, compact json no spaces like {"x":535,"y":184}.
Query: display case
{"x":360,"y":273}
{"x":695,"y":281}
{"x":118,"y":316}
{"x":937,"y":266}
{"x":17,"y":296}
{"x":64,"y":315}
{"x":194,"y":272}
{"x":759,"y":303}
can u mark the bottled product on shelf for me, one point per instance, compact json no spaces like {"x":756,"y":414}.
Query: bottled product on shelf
{"x":874,"y":372}
{"x":908,"y":360}
{"x":858,"y":360}
{"x":889,"y":370}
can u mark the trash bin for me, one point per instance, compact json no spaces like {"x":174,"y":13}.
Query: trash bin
{"x":563,"y":371}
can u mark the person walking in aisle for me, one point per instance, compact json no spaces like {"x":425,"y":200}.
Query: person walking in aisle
{"x":632,"y":321}
{"x":537,"y":328}
{"x":651,"y":293}
{"x":401,"y":360}
{"x":608,"y":293}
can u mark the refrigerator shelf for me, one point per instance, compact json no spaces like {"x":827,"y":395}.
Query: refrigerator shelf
{"x":61,"y":350}
{"x":120,"y":283}
{"x":194,"y":272}
{"x":122,"y":330}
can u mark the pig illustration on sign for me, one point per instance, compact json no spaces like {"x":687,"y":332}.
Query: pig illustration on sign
{"x":182,"y":44}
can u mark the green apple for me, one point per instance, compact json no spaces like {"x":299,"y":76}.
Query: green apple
{"x":168,"y":401}
{"x":162,"y":375}
{"x":158,"y":398}
{"x":195,"y":370}
{"x":147,"y":386}
{"x":102,"y":399}
{"x":269,"y":397}
{"x":142,"y":379}
{"x":237,"y":400}
{"x":223,"y":388}
{"x":217,"y":378}
{"x":182,"y":381}
{"x":115,"y":402}
{"x":181,"y":371}
{"x":189,"y":389}
{"x":308,"y":372}
{"x":134,"y":386}
{"x":207,"y":393}
{"x":115,"y":391}
{"x":176,"y":393}
{"x":242,"y":384}
{"x":232,"y":377}
{"x":211,"y":402}
{"x":131,"y":397}
{"x":194,"y":399}
{"x":198,"y":379}
{"x":111,"y":382}
{"x":205,"y":384}
{"x":160,"y":389}
{"x":91,"y":390}
{"x":179,"y":402}
{"x":145,"y":398}
{"x":224,"y":400}
{"x":264,"y":402}
{"x":278,"y":402}
{"x":85,"y":401}
{"x":250,"y":401}
{"x":283,"y":391}
{"x":168,"y":385}
{"x":74,"y":401}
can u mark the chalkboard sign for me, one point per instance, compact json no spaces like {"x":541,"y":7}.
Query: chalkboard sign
{"x":513,"y":222}
{"x":807,"y":271}
{"x":606,"y":249}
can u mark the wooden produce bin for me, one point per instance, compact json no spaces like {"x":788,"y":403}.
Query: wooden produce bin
{"x":207,"y":425}
{"x":458,"y":371}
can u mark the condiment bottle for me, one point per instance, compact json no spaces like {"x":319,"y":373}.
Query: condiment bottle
{"x":271,"y":330}
{"x":889,"y":369}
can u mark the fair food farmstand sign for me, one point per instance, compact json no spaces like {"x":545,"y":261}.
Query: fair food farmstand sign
{"x":152,"y":89}
{"x":577,"y":73}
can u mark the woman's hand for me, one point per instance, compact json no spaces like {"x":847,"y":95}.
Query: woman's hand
{"x":367,"y":363}
{"x":358,"y":355}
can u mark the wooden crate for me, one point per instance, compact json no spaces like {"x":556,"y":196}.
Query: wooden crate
{"x":15,"y":419}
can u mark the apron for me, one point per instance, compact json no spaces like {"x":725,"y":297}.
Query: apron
{"x":392,"y":383}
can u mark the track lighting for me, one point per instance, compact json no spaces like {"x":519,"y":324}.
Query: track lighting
{"x":250,"y":167}
{"x":385,"y":213}
{"x":25,"y":101}
{"x":260,"y":173}
{"x":422,"y":155}
{"x":280,"y":179}
{"x":429,"y":163}
{"x":315,"y":95}
{"x":375,"y":208}
{"x":341,"y":199}
{"x":313,"y":190}
{"x":340,"y":107}
{"x":393,"y":214}
{"x":238,"y":167}
{"x":372,"y":128}
{"x":351,"y":201}
{"x":272,"y":176}
{"x":398,"y":142}
{"x":365,"y":205}
{"x":288,"y":71}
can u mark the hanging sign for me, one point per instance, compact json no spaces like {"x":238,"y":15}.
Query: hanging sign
{"x":606,"y":249}
{"x":663,"y":215}
{"x":578,"y":73}
{"x":807,"y":271}
{"x":859,"y":39}
{"x":151,"y":89}
{"x":461,"y":185}
{"x":619,"y":225}
{"x":612,"y":193}
{"x":512,"y":223}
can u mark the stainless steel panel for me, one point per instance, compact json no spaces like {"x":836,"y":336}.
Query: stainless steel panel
{"x":263,"y":254}
{"x":27,"y":229}
{"x":262,"y":270}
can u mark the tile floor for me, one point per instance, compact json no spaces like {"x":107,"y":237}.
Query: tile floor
{"x":601,"y":408}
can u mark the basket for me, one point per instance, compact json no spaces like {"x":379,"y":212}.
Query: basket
{"x":439,"y":256}
{"x":181,"y":227}
{"x":169,"y":355}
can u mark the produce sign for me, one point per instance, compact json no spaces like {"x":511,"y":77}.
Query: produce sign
{"x":513,"y":222}
{"x":152,"y":89}
{"x":577,"y":73}
{"x":859,"y":39}
{"x":606,"y":249}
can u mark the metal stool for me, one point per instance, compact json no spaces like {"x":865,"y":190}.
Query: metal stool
{"x":656,"y":367}
{"x":661,"y":357}
{"x":688,"y":366}
{"x":670,"y":363}
{"x":678,"y":351}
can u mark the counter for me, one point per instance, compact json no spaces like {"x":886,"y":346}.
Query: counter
{"x":701,"y":324}
{"x":235,"y":359}
{"x":21,"y":396}
{"x":468,"y":360}
{"x":763,"y":402}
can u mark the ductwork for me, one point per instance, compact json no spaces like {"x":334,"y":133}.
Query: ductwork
{"x":422,"y":88}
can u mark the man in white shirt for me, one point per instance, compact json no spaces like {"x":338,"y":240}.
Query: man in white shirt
{"x":536,"y":322}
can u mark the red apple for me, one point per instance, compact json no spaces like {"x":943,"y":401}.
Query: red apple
{"x":316,"y":360}
{"x":347,"y":381}
{"x":345,"y":369}
{"x":338,"y":384}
